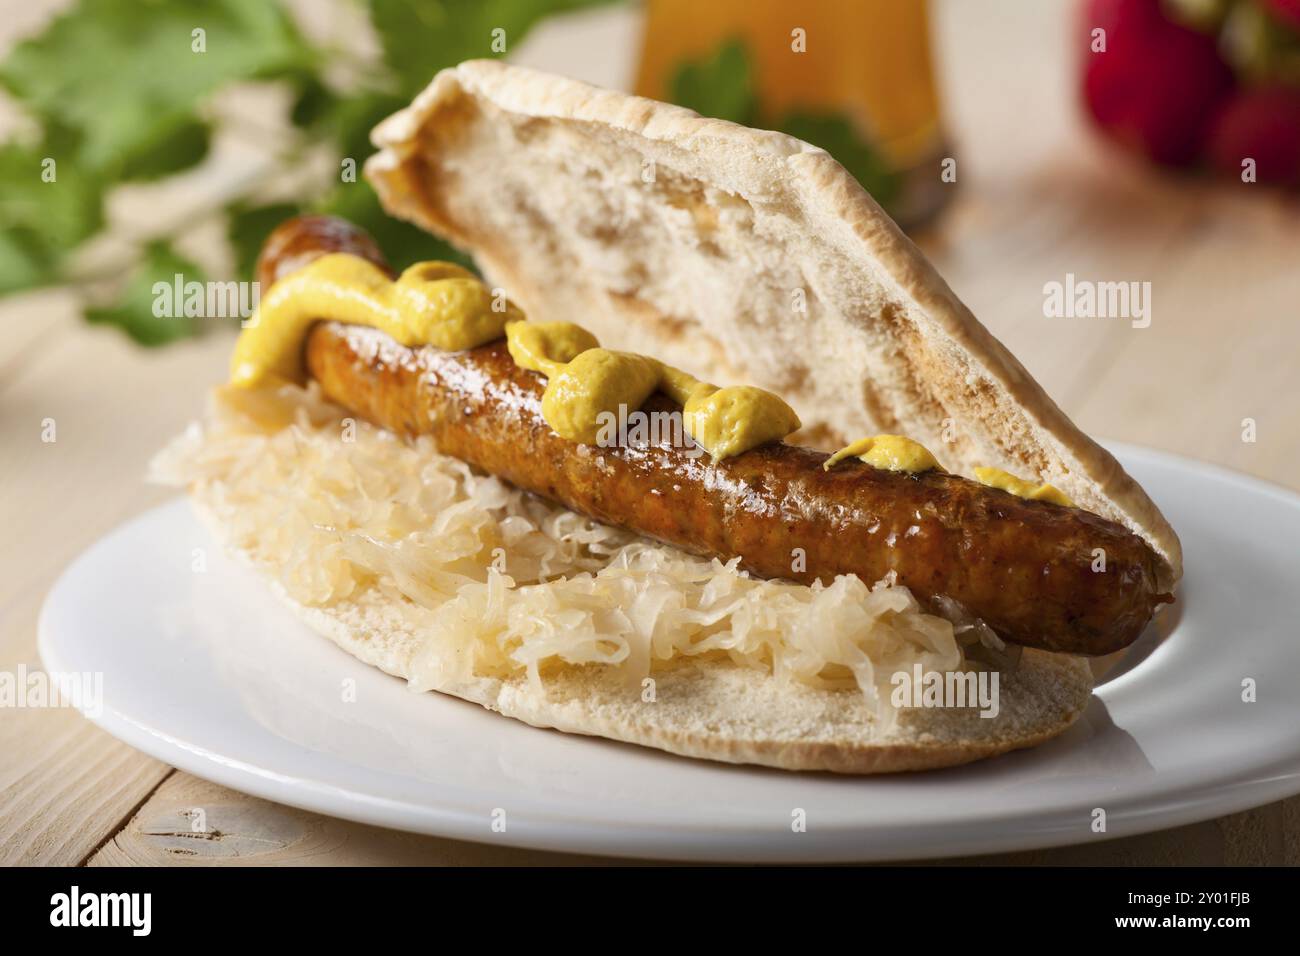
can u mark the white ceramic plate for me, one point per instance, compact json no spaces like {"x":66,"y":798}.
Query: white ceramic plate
{"x":207,"y":672}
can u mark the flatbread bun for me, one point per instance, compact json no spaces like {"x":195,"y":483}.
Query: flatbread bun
{"x":740,"y":255}
{"x":718,"y":711}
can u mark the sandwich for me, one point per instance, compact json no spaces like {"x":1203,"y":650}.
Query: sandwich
{"x":709,"y":459}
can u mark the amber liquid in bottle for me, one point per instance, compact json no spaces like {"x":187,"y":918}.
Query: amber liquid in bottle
{"x":868,"y":60}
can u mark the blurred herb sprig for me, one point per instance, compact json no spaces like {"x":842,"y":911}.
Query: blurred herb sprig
{"x":117,"y":90}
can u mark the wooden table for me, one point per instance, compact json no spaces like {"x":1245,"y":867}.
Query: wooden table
{"x":1037,"y":198}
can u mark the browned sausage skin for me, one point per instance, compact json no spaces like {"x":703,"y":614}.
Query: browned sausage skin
{"x":1024,"y":567}
{"x":300,"y":240}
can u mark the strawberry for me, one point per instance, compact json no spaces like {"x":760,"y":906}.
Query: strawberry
{"x":1157,"y":84}
{"x":1260,"y":124}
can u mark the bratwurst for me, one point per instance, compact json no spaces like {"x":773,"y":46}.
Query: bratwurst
{"x":1024,"y":567}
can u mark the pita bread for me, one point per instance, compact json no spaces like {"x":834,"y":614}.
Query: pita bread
{"x":718,"y":711}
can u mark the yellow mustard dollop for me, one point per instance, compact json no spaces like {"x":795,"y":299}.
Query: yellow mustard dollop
{"x":447,"y":307}
{"x":997,"y":478}
{"x":596,"y":383}
{"x":431,"y":303}
{"x":890,"y":452}
{"x":586,"y":383}
{"x":545,"y":346}
{"x":731,"y":420}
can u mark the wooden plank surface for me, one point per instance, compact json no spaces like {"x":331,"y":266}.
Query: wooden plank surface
{"x":1037,"y":198}
{"x":65,"y":785}
{"x":191,"y":822}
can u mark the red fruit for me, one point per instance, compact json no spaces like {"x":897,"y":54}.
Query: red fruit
{"x":1157,"y":84}
{"x":1263,"y":125}
{"x":1284,"y":11}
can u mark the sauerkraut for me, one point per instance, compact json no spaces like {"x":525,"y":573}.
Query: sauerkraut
{"x":499,"y":583}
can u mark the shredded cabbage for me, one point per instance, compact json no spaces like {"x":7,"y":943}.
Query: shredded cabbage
{"x":498,"y":582}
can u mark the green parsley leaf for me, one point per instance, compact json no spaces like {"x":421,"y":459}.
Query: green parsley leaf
{"x":182,"y":146}
{"x":312,"y":101}
{"x":125,"y":73}
{"x":421,"y":38}
{"x":25,"y":262}
{"x":721,"y":86}
{"x":43,"y":220}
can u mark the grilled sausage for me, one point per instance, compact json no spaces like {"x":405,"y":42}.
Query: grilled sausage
{"x":1024,"y":567}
